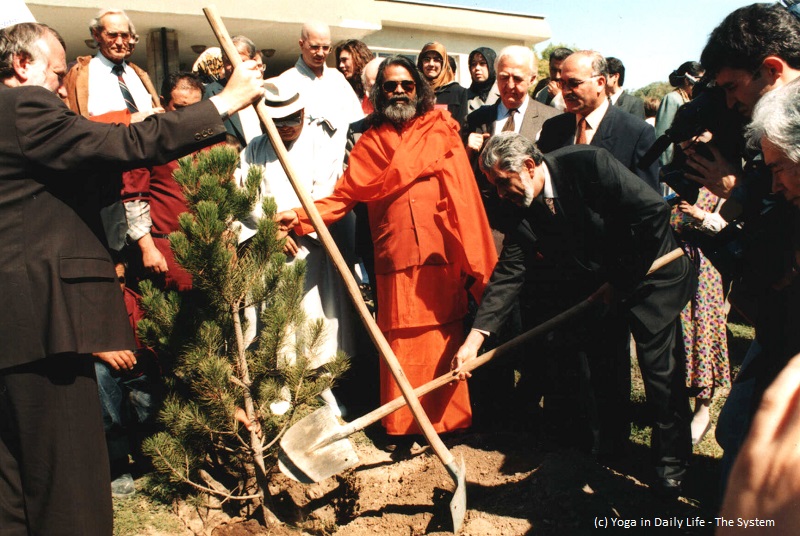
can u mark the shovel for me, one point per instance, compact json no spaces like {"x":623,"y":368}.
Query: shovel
{"x":330,"y":452}
{"x":458,"y":505}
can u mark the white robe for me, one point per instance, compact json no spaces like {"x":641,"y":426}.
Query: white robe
{"x":316,"y":157}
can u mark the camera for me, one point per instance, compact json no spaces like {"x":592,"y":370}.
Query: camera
{"x":707,"y":111}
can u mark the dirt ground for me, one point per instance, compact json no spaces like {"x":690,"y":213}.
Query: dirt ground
{"x":515,"y":486}
{"x":518,"y":483}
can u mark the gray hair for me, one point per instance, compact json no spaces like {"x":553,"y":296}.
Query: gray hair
{"x":247,"y":42}
{"x":777,"y":117}
{"x":508,"y":151}
{"x":599,"y":63}
{"x":523,"y":54}
{"x":96,"y":24}
{"x":21,"y":40}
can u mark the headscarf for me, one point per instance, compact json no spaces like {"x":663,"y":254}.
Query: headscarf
{"x":446,"y":75}
{"x":482,"y":89}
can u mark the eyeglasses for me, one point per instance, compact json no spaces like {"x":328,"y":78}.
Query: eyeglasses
{"x":573,"y":83}
{"x":391,"y":85}
{"x":317,"y":48}
{"x":126,"y":36}
{"x":292,"y":121}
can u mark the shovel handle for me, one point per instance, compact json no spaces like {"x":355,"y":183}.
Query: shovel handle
{"x":325,"y":238}
{"x":525,"y":338}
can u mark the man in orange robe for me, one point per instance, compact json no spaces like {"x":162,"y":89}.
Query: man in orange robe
{"x":431,"y":236}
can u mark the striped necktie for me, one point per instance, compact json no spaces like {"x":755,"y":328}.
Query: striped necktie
{"x":510,"y":126}
{"x":126,"y":94}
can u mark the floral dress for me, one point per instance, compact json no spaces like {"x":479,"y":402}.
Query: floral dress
{"x":703,"y":319}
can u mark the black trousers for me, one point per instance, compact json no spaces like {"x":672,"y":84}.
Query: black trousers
{"x":663,"y":373}
{"x":54,"y":475}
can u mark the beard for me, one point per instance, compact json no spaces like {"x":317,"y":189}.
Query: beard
{"x":400,"y":110}
{"x":528,"y":198}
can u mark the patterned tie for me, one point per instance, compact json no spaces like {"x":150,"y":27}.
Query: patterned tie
{"x":126,"y":94}
{"x":551,"y":204}
{"x":510,"y":126}
{"x":580,"y":139}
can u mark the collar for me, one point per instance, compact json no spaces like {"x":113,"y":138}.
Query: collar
{"x":502,"y":111}
{"x":595,"y":116}
{"x":615,"y":97}
{"x":306,"y":71}
{"x":108,"y":63}
{"x":549,"y":189}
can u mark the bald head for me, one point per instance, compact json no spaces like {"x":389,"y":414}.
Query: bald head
{"x":584,"y":79}
{"x":370,"y":72}
{"x":315,"y":45}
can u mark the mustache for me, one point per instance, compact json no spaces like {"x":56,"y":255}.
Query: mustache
{"x":403,"y":99}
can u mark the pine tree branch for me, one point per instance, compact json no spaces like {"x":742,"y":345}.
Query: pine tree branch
{"x":205,"y":489}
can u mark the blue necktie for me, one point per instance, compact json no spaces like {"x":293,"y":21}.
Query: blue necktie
{"x":126,"y":94}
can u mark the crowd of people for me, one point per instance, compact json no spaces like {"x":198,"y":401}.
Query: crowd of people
{"x":472,"y":213}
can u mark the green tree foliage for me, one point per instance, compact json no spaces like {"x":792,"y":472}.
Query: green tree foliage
{"x":544,"y":58}
{"x":204,"y":449}
{"x":653,"y":89}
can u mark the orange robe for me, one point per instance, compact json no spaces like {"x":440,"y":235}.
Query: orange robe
{"x":432,"y":239}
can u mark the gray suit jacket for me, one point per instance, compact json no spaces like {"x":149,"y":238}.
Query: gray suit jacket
{"x":484,"y":118}
{"x":631,"y":104}
{"x":58,"y":289}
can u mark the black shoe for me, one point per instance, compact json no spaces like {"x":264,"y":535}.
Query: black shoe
{"x":667,"y":488}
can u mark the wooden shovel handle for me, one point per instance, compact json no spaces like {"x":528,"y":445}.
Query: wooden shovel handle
{"x":324,"y":235}
{"x":525,"y":338}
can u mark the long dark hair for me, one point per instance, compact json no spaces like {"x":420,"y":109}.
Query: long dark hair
{"x":361,"y":55}
{"x":425,"y":97}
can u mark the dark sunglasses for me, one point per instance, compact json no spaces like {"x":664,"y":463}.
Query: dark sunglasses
{"x":291,"y":121}
{"x":390,"y":85}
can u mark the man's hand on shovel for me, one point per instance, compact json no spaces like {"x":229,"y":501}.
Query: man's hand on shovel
{"x":469,"y":350}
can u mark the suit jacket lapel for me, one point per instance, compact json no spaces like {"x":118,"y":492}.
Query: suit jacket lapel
{"x":605,"y":136}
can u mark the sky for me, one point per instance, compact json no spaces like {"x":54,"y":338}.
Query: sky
{"x":651,"y":38}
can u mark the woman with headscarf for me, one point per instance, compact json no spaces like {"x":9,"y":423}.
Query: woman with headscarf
{"x":432,"y":63}
{"x":481,"y":68}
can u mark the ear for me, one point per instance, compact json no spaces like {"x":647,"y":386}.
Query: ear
{"x":21,"y":64}
{"x":774,"y":67}
{"x":530,"y":165}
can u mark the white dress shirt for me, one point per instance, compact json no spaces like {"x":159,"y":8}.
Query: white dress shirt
{"x":104,"y":93}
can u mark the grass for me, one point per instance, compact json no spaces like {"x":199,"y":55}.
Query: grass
{"x":141,"y":515}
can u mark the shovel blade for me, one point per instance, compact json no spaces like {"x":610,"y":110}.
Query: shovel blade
{"x":458,"y":504}
{"x":296,"y":458}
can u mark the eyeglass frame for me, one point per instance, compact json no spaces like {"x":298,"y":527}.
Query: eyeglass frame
{"x":407,"y":85}
{"x":572,"y":83}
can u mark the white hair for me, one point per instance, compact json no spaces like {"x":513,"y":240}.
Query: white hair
{"x":96,"y":23}
{"x":522,"y":54}
{"x":776,"y":116}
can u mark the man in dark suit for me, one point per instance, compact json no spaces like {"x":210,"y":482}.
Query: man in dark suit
{"x":59,"y":297}
{"x":592,"y":120}
{"x":516,"y":73}
{"x":585,"y":220}
{"x":619,"y":97}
